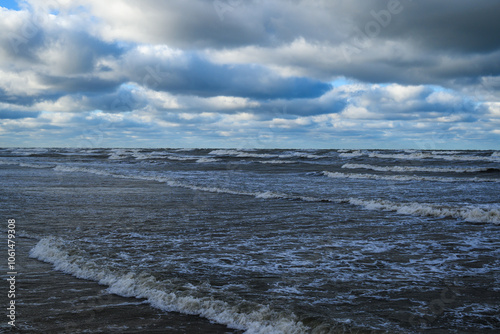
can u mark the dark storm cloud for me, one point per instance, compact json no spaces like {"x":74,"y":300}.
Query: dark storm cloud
{"x":221,"y":23}
{"x":9,"y":114}
{"x":447,"y":40}
{"x":460,"y":26}
{"x":83,"y":84}
{"x":77,"y":51}
{"x":189,"y":74}
{"x":403,"y":41}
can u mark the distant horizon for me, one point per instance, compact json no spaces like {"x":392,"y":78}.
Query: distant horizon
{"x":395,"y":74}
{"x":244,"y":149}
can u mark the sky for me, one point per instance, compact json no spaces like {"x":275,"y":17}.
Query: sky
{"x":382,"y":74}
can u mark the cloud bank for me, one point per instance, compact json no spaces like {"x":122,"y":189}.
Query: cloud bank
{"x":232,"y":73}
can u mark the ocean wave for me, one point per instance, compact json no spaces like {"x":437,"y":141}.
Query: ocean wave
{"x":119,"y":154}
{"x":241,"y":154}
{"x":472,"y":214}
{"x":3,"y":162}
{"x":156,"y":178}
{"x":185,"y":149}
{"x":157,"y":155}
{"x":164,"y":296}
{"x":28,"y":165}
{"x":420,"y":169}
{"x":150,"y":155}
{"x":207,"y":160}
{"x":353,"y":154}
{"x":295,"y":154}
{"x":278,"y":162}
{"x":429,"y":155}
{"x":24,"y":164}
{"x":179,"y":158}
{"x":29,"y":151}
{"x":445,"y":152}
{"x":425,"y":155}
{"x":175,"y":183}
{"x":339,"y":175}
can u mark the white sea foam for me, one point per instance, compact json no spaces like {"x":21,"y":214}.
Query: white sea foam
{"x":470,"y":158}
{"x":23,"y":164}
{"x":278,"y":162}
{"x":241,"y":154}
{"x":119,"y":154}
{"x":148,"y":155}
{"x":425,"y":155}
{"x":295,"y":154}
{"x":417,"y":169}
{"x":207,"y":160}
{"x":410,"y":156}
{"x":430,"y":155}
{"x":473,"y":214}
{"x":270,"y":194}
{"x":260,"y":319}
{"x":339,"y":175}
{"x":353,"y":154}
{"x":446,"y":152}
{"x":72,"y":169}
{"x":179,"y":158}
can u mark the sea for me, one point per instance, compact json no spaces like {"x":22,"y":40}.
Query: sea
{"x":251,"y":240}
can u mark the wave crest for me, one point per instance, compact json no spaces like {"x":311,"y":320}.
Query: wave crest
{"x":470,"y":214}
{"x":260,"y":319}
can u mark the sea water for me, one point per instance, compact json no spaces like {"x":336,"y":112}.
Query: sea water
{"x":254,"y":241}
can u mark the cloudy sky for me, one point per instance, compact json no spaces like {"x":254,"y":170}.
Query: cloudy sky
{"x":250,"y":74}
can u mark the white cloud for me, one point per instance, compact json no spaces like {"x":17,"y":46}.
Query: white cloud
{"x":157,"y":69}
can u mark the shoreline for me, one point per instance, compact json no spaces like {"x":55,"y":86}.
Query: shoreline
{"x":76,"y":305}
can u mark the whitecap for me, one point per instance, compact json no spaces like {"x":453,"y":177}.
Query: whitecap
{"x":417,"y":168}
{"x":258,"y":319}
{"x":404,"y":177}
{"x":473,"y":214}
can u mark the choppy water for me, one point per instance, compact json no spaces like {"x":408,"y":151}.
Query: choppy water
{"x":261,"y":241}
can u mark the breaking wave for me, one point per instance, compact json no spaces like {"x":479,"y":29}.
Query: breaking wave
{"x":207,"y":160}
{"x":167,"y":296}
{"x":339,"y":175}
{"x":420,"y":169}
{"x":469,"y":213}
{"x":353,"y":154}
{"x":278,"y":162}
{"x":429,"y":155}
{"x":241,"y":154}
{"x":472,"y":214}
{"x":416,"y":155}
